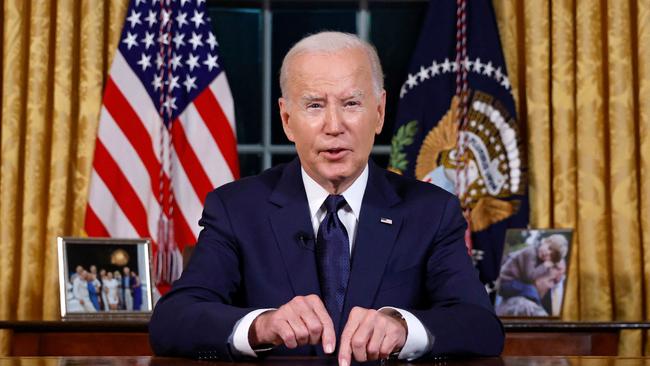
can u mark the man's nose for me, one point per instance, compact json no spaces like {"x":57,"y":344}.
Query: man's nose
{"x":333,"y":121}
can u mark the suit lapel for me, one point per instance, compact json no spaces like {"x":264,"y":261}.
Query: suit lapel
{"x":375,"y":240}
{"x":293,"y":231}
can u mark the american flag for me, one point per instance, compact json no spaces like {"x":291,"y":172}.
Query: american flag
{"x":166,"y":131}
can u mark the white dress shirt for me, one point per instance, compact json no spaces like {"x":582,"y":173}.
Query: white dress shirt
{"x":418,"y":340}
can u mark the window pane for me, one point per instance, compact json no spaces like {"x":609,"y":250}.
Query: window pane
{"x":394,"y":31}
{"x":239,"y":32}
{"x":282,"y":158}
{"x":380,"y":159}
{"x":250,"y":164}
{"x":289,"y":26}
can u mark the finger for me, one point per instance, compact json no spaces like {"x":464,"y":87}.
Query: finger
{"x":395,"y":338}
{"x":286,"y":334}
{"x":374,"y":344}
{"x":328,"y":335}
{"x":362,"y":336}
{"x":388,"y":345}
{"x":345,"y":348}
{"x":313,"y":324}
{"x":298,"y":327}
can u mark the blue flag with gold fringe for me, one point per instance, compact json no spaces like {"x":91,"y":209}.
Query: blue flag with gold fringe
{"x":456,"y":125}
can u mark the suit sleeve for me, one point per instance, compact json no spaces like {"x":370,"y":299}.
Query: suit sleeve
{"x":461,"y":317}
{"x":196,"y":318}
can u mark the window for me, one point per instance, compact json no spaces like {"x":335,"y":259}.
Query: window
{"x":254,"y":36}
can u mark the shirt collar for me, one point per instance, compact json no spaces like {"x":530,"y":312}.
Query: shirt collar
{"x":316,"y":194}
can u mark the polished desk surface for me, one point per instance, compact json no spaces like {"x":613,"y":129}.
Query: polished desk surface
{"x":524,"y":337}
{"x":500,"y":361}
{"x":141,"y":325}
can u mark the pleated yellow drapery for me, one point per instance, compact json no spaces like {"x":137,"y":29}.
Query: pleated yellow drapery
{"x":580,"y":72}
{"x":54,"y":60}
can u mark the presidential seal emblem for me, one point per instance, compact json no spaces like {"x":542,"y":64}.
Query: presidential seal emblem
{"x":490,"y":168}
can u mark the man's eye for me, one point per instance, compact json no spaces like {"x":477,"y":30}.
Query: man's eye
{"x":352,"y":103}
{"x":314,"y":105}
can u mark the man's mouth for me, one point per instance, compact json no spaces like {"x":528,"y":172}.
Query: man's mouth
{"x":335,"y":153}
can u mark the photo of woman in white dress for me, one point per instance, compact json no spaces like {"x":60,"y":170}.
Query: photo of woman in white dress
{"x":110,"y":287}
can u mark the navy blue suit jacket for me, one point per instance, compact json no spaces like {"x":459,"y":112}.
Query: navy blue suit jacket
{"x":252,"y":253}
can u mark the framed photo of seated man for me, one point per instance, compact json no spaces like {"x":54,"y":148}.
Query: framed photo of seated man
{"x":102,"y":278}
{"x":532,"y":278}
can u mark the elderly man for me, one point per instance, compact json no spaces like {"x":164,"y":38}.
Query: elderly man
{"x":126,"y":294}
{"x":329,"y":254}
{"x":80,"y":291}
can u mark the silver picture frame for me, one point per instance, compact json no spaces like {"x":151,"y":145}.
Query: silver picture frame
{"x":533,"y":273}
{"x":105,"y":278}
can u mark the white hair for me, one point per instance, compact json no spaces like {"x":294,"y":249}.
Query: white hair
{"x":559,"y":244}
{"x":330,"y":42}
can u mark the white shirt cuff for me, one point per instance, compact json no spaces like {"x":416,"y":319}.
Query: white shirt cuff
{"x":239,"y":336}
{"x":418,"y":339}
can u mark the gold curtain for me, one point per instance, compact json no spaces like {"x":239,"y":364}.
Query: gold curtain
{"x":55,"y":55}
{"x":580,"y":71}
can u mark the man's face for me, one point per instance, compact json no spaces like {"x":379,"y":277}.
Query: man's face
{"x":126,"y":271}
{"x":332,"y":113}
{"x":558,"y":270}
{"x":545,"y":283}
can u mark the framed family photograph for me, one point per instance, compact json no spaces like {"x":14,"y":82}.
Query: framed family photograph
{"x":532,"y":277}
{"x":102,"y":278}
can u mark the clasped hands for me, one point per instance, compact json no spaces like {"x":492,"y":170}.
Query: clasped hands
{"x":368,"y":334}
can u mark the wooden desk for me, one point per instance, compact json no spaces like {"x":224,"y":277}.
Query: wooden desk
{"x":79,"y":338}
{"x":145,"y":361}
{"x":557,"y":338}
{"x":130,"y":338}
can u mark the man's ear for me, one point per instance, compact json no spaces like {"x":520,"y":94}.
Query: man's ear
{"x":381,"y":112}
{"x":284,"y":116}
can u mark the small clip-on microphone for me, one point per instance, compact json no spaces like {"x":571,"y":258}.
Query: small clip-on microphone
{"x":305,"y":240}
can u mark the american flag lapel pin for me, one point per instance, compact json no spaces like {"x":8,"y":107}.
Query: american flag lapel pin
{"x":386,"y":221}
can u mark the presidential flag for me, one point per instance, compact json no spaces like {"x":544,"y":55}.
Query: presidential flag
{"x":166,"y":132}
{"x":456,"y":125}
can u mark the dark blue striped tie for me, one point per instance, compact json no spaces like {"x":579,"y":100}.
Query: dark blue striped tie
{"x":333,"y":256}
